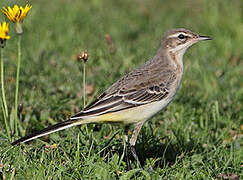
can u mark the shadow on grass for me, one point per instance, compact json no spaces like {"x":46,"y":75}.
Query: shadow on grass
{"x":164,"y":151}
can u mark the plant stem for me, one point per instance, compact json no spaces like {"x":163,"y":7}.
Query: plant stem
{"x":84,"y":92}
{"x":3,"y":99}
{"x":17,"y":85}
{"x":2,"y":83}
{"x":84,"y":83}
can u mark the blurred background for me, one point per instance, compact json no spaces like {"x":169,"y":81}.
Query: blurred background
{"x":120,"y":35}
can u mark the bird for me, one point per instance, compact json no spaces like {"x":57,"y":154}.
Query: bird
{"x":140,"y":94}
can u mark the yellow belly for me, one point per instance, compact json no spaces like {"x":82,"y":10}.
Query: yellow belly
{"x":131,"y":115}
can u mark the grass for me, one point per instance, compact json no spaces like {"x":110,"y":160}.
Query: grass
{"x":198,"y":136}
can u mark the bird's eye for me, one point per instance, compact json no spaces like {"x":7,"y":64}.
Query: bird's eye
{"x":181,"y":36}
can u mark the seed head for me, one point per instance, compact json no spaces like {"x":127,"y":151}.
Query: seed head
{"x":83,"y":56}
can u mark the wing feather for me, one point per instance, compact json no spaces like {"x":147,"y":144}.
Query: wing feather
{"x":121,"y":101}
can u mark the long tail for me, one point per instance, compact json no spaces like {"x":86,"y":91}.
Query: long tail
{"x":57,"y":127}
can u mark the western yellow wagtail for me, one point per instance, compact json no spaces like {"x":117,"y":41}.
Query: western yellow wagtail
{"x":140,"y":94}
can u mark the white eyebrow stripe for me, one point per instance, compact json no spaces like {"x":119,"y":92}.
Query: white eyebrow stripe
{"x":177,"y":34}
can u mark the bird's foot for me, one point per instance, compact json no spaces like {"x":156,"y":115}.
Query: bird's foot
{"x":134,"y":154}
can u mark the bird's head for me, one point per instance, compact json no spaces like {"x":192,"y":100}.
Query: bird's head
{"x":177,"y":41}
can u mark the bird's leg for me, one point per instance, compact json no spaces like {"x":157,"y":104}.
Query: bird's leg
{"x":126,"y":134}
{"x":133,"y":140}
{"x":126,"y":153}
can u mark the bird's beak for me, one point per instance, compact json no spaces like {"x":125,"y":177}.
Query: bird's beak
{"x":203,"y":38}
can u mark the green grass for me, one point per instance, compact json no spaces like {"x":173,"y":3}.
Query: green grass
{"x":198,"y":136}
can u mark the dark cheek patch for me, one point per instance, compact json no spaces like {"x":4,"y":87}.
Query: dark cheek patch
{"x":173,"y":42}
{"x":182,"y":42}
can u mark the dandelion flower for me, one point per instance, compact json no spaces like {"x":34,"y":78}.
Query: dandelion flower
{"x":17,"y":15}
{"x":3,"y":33}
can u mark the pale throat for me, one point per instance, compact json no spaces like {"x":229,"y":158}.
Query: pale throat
{"x":177,"y":58}
{"x":177,"y":61}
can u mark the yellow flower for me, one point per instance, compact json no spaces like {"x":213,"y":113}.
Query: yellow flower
{"x":4,"y":31}
{"x":16,"y":14}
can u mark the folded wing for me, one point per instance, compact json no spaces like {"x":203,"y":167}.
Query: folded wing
{"x":123,"y":100}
